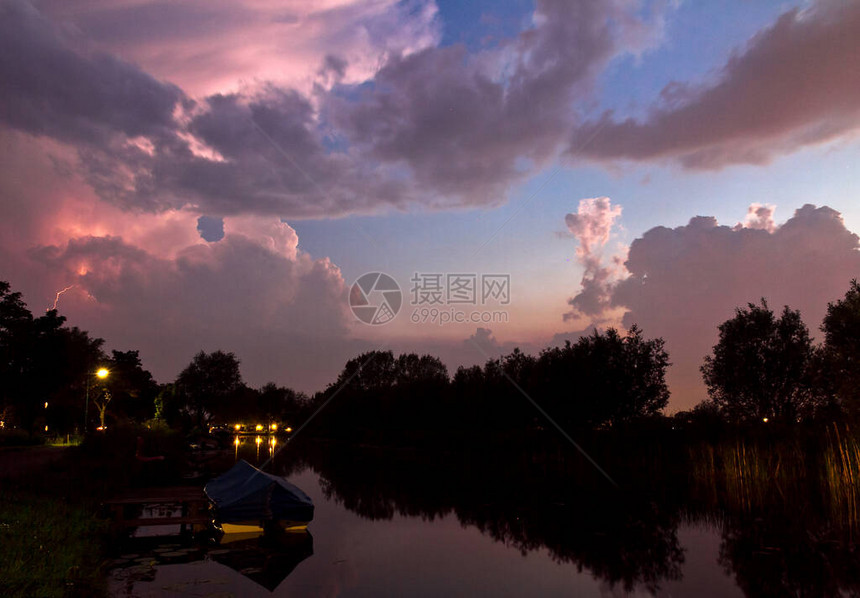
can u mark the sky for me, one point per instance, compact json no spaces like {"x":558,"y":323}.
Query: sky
{"x":177,"y":177}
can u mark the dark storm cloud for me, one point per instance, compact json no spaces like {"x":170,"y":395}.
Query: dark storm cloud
{"x":465,"y":133}
{"x":285,"y":315}
{"x":435,"y":128}
{"x":47,"y":88}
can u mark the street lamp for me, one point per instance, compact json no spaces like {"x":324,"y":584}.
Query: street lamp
{"x":101,"y":373}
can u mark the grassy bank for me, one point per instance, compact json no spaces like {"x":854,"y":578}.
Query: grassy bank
{"x":52,"y":542}
{"x":49,"y":547}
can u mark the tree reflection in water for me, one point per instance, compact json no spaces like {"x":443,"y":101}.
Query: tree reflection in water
{"x":625,"y":538}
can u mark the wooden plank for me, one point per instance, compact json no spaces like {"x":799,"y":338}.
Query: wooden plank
{"x":159,"y":495}
{"x":164,"y":521}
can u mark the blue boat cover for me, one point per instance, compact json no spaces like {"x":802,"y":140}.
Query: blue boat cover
{"x":247,"y":494}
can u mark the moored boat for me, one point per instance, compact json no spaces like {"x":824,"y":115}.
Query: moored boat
{"x":245,"y":500}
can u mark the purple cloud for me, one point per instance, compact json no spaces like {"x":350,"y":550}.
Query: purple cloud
{"x":795,"y":84}
{"x":684,"y":282}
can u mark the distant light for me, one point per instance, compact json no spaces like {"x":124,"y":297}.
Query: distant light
{"x":274,"y":427}
{"x":259,"y":439}
{"x":102,"y":373}
{"x":2,"y":424}
{"x":100,"y":428}
{"x":237,"y":427}
{"x":236,"y":441}
{"x":46,"y":404}
{"x":288,"y":430}
{"x":259,"y":427}
{"x":764,"y":419}
{"x":46,"y":428}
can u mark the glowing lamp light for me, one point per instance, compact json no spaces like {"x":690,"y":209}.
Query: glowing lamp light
{"x":46,"y":428}
{"x":102,"y":373}
{"x":46,"y":404}
{"x":274,"y":427}
{"x":259,"y":427}
{"x":259,"y":439}
{"x":237,"y":427}
{"x":236,"y":441}
{"x":764,"y":419}
{"x":288,"y":430}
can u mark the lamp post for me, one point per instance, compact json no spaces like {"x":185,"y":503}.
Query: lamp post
{"x":101,"y":373}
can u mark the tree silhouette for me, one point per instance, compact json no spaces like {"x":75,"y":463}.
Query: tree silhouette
{"x":280,"y":403}
{"x":841,"y":352}
{"x":42,"y":361}
{"x":208,"y":384}
{"x":760,"y":368}
{"x":16,"y":324}
{"x":131,"y":386}
{"x":604,"y":379}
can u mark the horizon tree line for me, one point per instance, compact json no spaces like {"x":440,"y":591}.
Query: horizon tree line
{"x":764,"y":367}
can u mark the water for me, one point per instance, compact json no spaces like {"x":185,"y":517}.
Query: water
{"x":388,"y":526}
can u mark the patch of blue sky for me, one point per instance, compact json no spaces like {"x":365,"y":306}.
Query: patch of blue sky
{"x":698,"y":39}
{"x":482,"y":24}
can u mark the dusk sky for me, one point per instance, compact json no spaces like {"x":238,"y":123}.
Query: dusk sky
{"x":215,"y":174}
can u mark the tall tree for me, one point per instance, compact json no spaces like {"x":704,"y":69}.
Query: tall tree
{"x":373,"y":370}
{"x":279,"y":403}
{"x":208,"y":384}
{"x":841,"y":353}
{"x":604,"y":378}
{"x":132,"y":387}
{"x":760,"y":368}
{"x":43,"y":366}
{"x":16,"y":339}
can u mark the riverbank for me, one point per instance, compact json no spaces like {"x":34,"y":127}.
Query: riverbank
{"x":51,"y":542}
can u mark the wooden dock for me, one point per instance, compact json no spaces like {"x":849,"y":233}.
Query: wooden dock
{"x":191,"y":499}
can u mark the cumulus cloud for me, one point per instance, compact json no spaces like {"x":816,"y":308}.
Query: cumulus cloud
{"x":281,"y":311}
{"x":592,"y":225}
{"x":684,"y":282}
{"x":462,"y":129}
{"x":427,"y":126}
{"x":759,"y":217}
{"x":796,"y":83}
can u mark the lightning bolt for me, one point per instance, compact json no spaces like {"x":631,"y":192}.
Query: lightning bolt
{"x":57,"y":298}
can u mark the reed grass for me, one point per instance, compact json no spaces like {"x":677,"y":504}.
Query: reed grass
{"x":795,"y":473}
{"x":748,"y":476}
{"x":841,"y":477}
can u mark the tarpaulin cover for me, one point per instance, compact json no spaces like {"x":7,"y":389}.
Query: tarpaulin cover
{"x":247,"y":494}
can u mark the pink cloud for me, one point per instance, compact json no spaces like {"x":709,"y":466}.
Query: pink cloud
{"x":281,"y":311}
{"x":592,"y":225}
{"x":439,"y":127}
{"x":217,"y":46}
{"x":684,"y":282}
{"x":759,"y":217}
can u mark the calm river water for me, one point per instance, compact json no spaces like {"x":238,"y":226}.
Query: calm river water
{"x":383,"y":529}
